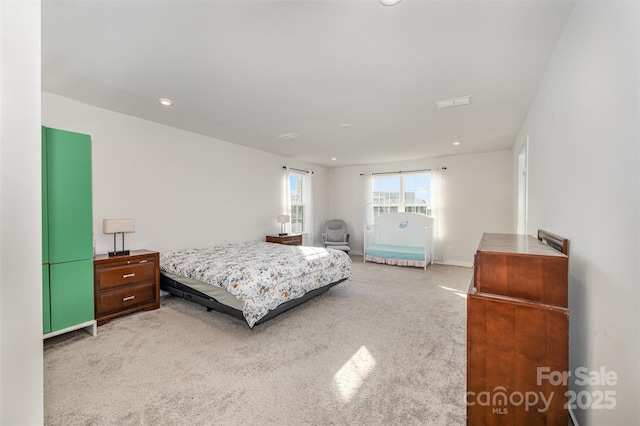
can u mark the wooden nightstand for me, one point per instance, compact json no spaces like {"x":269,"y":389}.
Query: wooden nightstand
{"x":126,"y":284}
{"x":289,"y":240}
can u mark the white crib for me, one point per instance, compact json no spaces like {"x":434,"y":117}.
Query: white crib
{"x":402,"y":239}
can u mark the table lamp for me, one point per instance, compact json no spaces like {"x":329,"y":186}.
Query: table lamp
{"x":118,"y":226}
{"x":283,"y":219}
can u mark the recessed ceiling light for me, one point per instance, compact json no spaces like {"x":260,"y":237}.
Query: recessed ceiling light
{"x":389,"y":2}
{"x":333,"y":158}
{"x":456,"y":143}
{"x":345,"y":126}
{"x":165,"y":101}
{"x":287,"y":136}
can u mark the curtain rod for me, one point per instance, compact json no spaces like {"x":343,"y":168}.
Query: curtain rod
{"x":297,"y":170}
{"x":401,"y":171}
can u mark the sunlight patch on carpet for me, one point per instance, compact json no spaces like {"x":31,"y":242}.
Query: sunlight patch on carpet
{"x":456,"y":292}
{"x":353,"y":373}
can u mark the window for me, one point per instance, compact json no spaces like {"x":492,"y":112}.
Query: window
{"x":409,"y":193}
{"x":298,"y":204}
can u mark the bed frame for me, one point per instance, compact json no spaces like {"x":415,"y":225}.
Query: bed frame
{"x":181,"y":290}
{"x":406,"y":232}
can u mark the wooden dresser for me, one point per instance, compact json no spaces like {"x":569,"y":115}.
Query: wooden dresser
{"x":290,"y":240}
{"x":126,"y":284}
{"x":517,"y":333}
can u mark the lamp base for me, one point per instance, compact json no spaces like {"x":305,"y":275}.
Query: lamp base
{"x":119,"y":253}
{"x":282,"y":234}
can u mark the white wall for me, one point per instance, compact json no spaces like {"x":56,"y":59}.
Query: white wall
{"x":21,"y":384}
{"x":182,"y":189}
{"x":477,"y":192}
{"x":584,"y":185}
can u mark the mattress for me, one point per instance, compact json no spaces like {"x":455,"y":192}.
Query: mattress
{"x":260,"y":276}
{"x":395,"y":252}
{"x":218,"y":293}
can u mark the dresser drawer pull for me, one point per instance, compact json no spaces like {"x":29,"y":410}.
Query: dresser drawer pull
{"x":143,"y":261}
{"x":128,"y":275}
{"x":124,"y":299}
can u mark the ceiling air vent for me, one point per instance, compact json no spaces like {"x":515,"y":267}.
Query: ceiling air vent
{"x":464,"y":100}
{"x":287,"y":136}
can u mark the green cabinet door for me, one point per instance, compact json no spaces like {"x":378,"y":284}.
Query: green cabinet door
{"x":45,"y":204}
{"x":68,"y":169}
{"x":67,"y":240}
{"x":46,"y":302}
{"x":71,"y":296}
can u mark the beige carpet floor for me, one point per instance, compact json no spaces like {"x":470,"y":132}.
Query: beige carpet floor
{"x":385,"y":347}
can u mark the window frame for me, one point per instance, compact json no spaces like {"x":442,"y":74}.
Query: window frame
{"x":401,"y":205}
{"x":297,"y":210}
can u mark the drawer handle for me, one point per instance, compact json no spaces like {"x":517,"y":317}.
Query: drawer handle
{"x":124,"y":299}
{"x":143,"y":261}
{"x":128,"y":275}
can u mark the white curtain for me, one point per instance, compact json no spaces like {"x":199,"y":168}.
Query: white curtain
{"x":307,"y":190}
{"x":286,"y":195}
{"x":368,"y":199}
{"x":437,"y":208}
{"x":308,"y":211}
{"x":368,"y":209}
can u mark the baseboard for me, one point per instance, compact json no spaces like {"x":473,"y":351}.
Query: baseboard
{"x":454,"y":263}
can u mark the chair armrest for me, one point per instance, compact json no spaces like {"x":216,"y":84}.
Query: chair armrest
{"x":324,"y":238}
{"x":346,"y":237}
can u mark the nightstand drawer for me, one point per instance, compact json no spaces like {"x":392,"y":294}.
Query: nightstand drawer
{"x":289,"y":240}
{"x":125,"y":298}
{"x":117,"y":276}
{"x":296,"y":240}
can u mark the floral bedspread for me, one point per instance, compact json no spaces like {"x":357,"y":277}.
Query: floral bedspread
{"x":261,"y":275}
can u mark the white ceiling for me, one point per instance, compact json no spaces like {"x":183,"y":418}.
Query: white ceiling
{"x":248,"y":71}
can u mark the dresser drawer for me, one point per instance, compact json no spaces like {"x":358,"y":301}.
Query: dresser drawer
{"x":125,"y":298}
{"x":119,"y":275}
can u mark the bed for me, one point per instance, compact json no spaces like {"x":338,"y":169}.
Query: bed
{"x":402,"y":239}
{"x":253,"y":281}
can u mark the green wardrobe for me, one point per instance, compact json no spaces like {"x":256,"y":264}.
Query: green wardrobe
{"x":67,"y":232}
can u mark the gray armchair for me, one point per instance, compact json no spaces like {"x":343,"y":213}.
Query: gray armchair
{"x":335,"y":235}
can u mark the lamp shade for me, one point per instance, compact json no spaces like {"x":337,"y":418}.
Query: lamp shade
{"x":284,"y":218}
{"x":114,"y":226}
